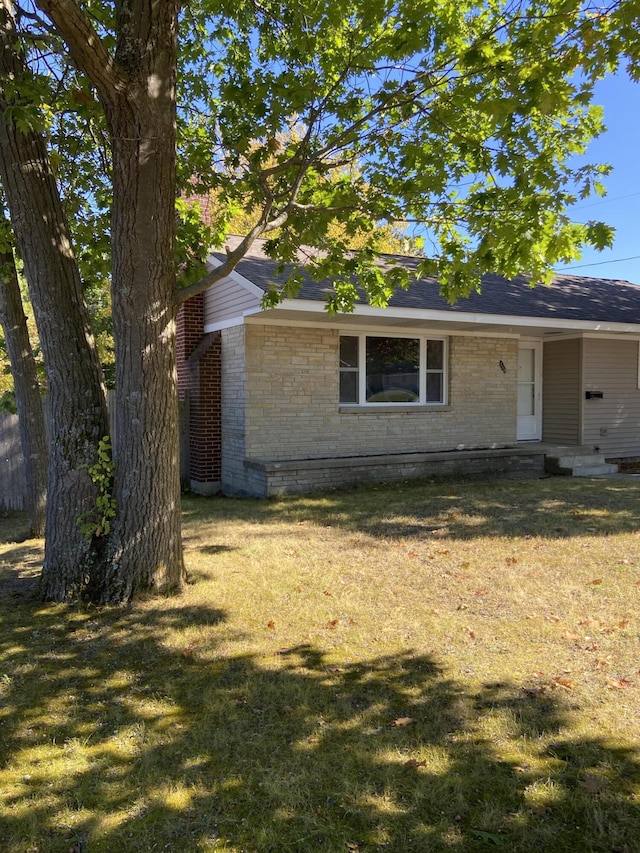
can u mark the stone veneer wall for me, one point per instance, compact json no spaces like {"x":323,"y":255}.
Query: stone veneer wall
{"x":280,"y":402}
{"x":306,"y":475}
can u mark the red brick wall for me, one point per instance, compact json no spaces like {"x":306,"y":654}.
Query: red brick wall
{"x":205,"y":205}
{"x":199,"y":374}
{"x":189,"y":332}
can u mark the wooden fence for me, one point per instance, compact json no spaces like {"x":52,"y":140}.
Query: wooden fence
{"x":12,"y":480}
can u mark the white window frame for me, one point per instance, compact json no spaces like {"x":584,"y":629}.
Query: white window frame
{"x":422,"y":375}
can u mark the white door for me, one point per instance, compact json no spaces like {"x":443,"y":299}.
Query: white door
{"x":529,"y":391}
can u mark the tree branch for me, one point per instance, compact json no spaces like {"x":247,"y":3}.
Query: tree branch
{"x":86,"y":47}
{"x":232,"y":259}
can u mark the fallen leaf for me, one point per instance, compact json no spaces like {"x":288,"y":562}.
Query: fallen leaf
{"x":189,"y":651}
{"x":412,"y":763}
{"x":623,"y":623}
{"x":326,"y":592}
{"x":534,"y":691}
{"x":617,"y":683}
{"x":553,"y":618}
{"x":572,"y":635}
{"x":353,"y":845}
{"x":333,"y":623}
{"x":596,"y":582}
{"x":511,"y":561}
{"x":480,"y":592}
{"x":565,"y":683}
{"x":403,"y":721}
{"x":470,"y":632}
{"x":271,"y":625}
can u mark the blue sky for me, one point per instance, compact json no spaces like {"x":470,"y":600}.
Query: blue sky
{"x":620,"y":146}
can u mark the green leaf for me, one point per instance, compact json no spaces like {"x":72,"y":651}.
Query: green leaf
{"x":600,"y":235}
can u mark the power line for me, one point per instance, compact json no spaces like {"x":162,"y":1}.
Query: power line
{"x":603,"y":201}
{"x":603,"y":263}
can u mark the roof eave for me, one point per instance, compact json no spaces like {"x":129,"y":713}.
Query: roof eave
{"x":424,"y":315}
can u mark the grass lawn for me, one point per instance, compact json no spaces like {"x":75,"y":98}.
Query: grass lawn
{"x":418,"y":667}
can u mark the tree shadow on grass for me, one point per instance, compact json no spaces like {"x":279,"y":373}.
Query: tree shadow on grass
{"x":555,"y":508}
{"x":14,"y":526}
{"x":20,"y":567}
{"x":114,"y":734}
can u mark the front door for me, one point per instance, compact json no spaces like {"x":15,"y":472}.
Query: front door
{"x":529,"y":391}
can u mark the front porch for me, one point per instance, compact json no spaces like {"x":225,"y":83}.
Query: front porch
{"x":295,"y":476}
{"x":524,"y":460}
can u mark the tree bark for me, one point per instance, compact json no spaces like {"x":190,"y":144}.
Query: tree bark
{"x":78,"y":417}
{"x":137,"y":91}
{"x":33,"y":434}
{"x":145,"y":549}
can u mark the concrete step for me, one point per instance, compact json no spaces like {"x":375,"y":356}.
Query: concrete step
{"x":579,"y":465}
{"x":578,"y":459}
{"x":594,"y":470}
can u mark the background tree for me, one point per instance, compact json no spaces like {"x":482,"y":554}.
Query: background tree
{"x":78,"y":417}
{"x":462,"y":119}
{"x":28,"y":398}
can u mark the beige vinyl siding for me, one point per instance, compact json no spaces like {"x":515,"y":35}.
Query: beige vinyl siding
{"x":613,"y":423}
{"x":227,"y":300}
{"x":561,"y":391}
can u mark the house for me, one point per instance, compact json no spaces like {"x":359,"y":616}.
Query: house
{"x":290,"y":399}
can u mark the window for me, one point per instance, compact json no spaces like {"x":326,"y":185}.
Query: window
{"x":380,"y":369}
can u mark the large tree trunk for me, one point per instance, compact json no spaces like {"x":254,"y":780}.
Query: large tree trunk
{"x":137,"y":91}
{"x":145,"y":548}
{"x":78,"y":409}
{"x":33,"y":434}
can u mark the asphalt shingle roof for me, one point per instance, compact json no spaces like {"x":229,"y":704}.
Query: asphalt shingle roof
{"x":568,"y":298}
